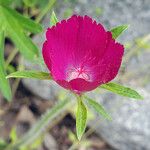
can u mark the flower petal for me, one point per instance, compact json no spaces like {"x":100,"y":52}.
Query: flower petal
{"x":46,"y":55}
{"x":70,"y":42}
{"x":108,"y":66}
{"x":78,"y":85}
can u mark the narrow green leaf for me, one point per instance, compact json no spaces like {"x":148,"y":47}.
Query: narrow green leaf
{"x":30,"y":74}
{"x":98,"y":108}
{"x":81,"y":118}
{"x":42,"y":124}
{"x":25,"y":22}
{"x":121,"y":90}
{"x":17,"y":35}
{"x":53,"y":19}
{"x":117,"y":31}
{"x":4,"y":84}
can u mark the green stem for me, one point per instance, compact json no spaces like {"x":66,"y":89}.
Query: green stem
{"x":45,"y":10}
{"x":41,"y":125}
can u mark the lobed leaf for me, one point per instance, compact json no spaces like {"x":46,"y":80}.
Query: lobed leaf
{"x":4,"y":84}
{"x":98,"y":108}
{"x":53,"y":19}
{"x":30,"y":74}
{"x":117,"y":31}
{"x":81,"y":118}
{"x":121,"y":90}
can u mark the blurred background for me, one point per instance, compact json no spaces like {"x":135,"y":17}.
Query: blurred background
{"x":130,"y":127}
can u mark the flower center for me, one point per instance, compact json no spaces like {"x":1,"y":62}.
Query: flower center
{"x":78,"y":73}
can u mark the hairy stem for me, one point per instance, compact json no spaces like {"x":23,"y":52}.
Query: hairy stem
{"x":41,"y":125}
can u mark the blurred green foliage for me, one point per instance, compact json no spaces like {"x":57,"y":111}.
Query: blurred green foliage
{"x":18,"y":28}
{"x":28,"y":3}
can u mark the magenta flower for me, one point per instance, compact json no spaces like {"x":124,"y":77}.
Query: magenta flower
{"x":81,"y":55}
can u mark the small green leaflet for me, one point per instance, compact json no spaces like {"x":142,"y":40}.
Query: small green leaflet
{"x":15,"y":31}
{"x":98,"y":108}
{"x":53,"y":19}
{"x":81,"y":118}
{"x":121,"y":90}
{"x":30,"y":74}
{"x":117,"y":31}
{"x":4,"y":84}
